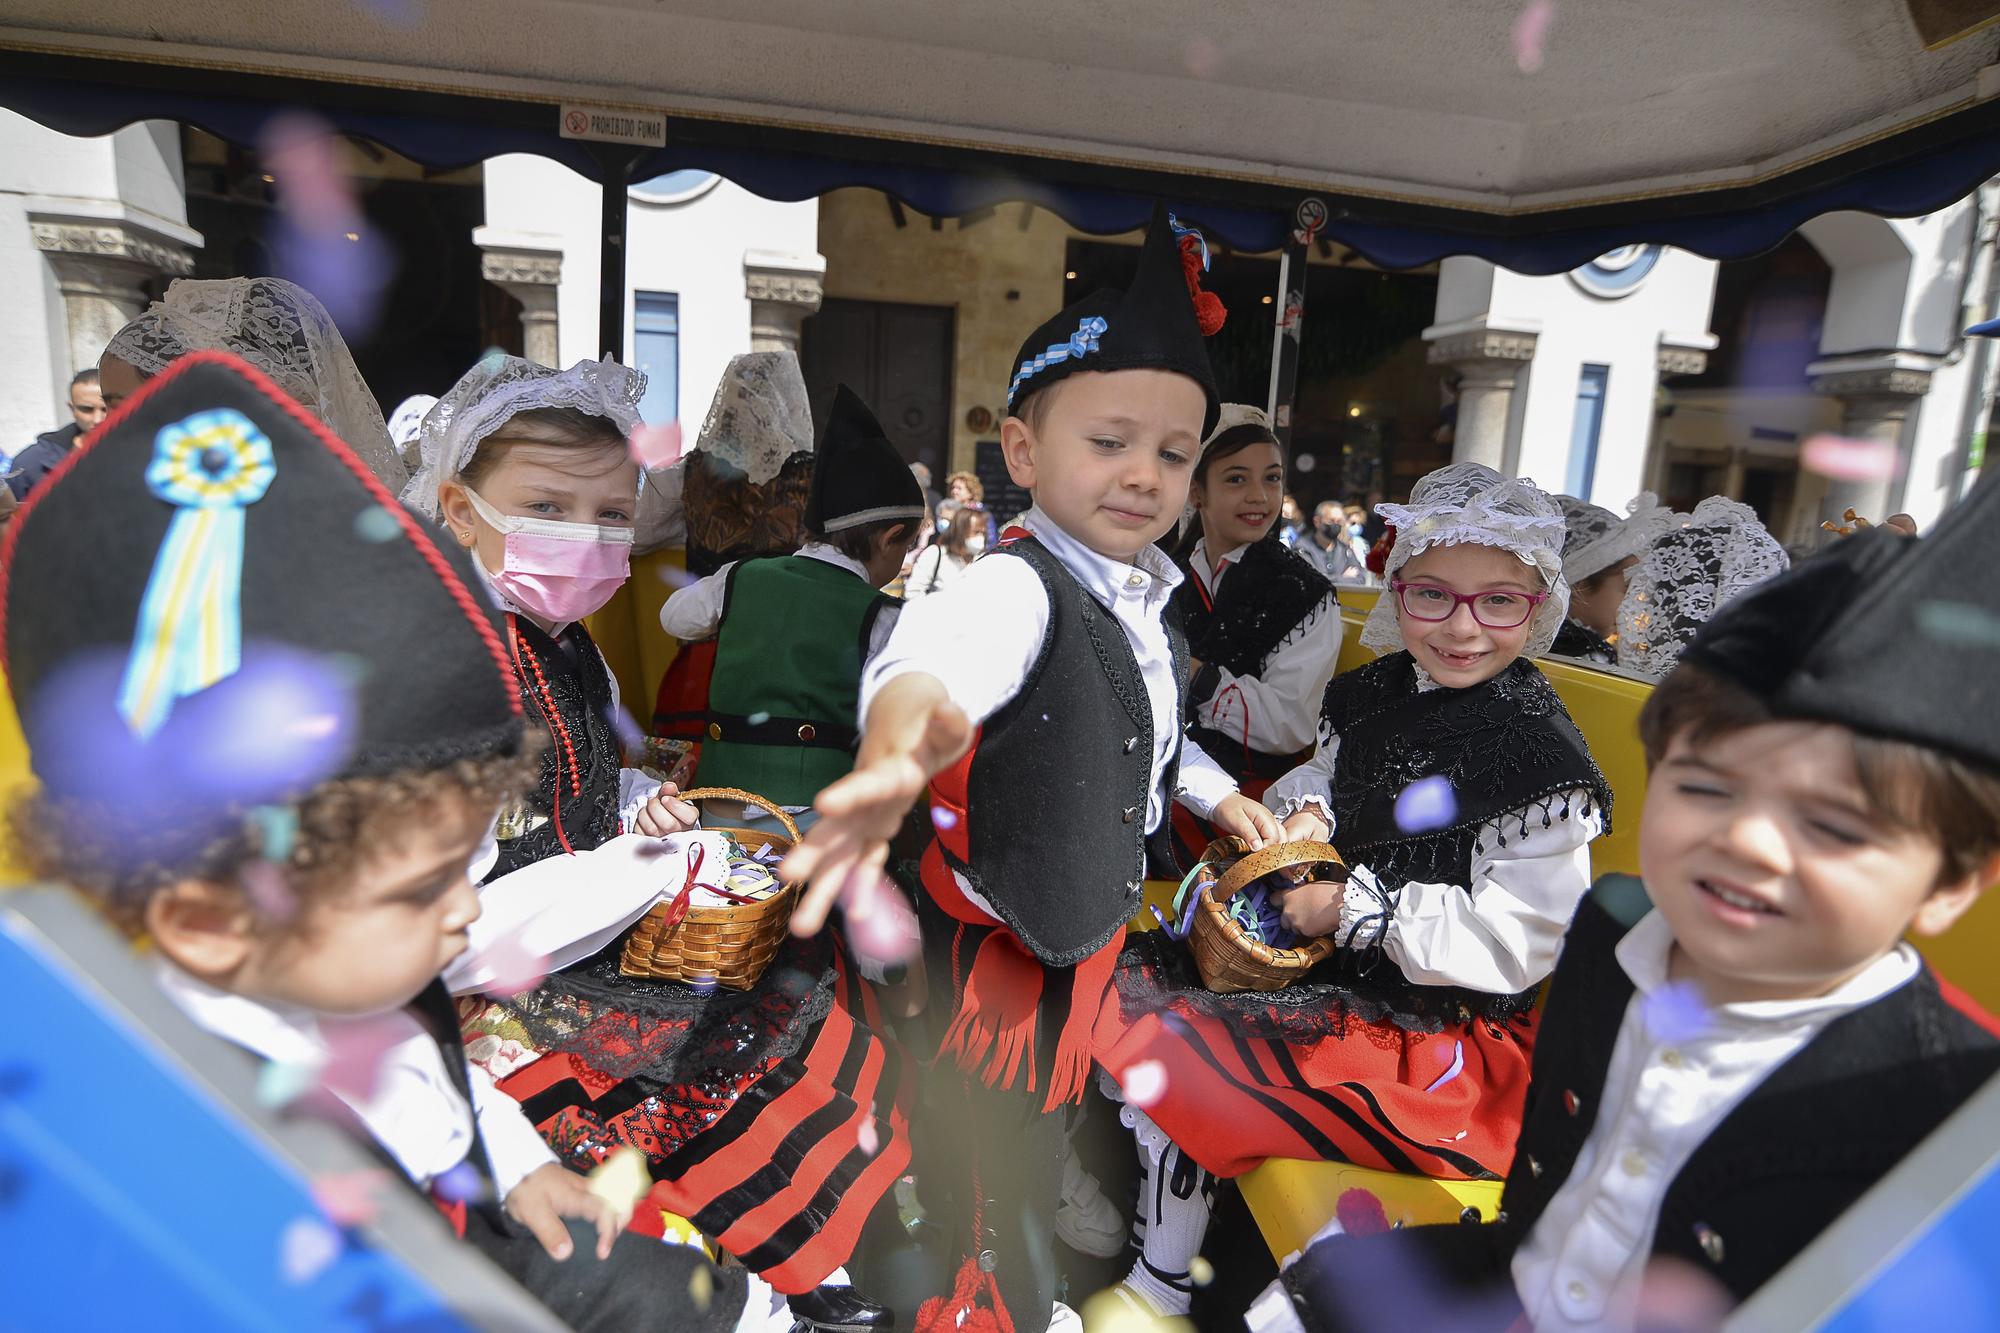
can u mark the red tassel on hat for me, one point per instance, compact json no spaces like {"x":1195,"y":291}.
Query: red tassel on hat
{"x":1378,"y":554}
{"x":1209,"y":312}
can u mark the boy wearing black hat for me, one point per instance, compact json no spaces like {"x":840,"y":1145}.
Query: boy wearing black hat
{"x":792,"y":632}
{"x":1735,"y":1049}
{"x":273,"y":720}
{"x":1038,"y":699}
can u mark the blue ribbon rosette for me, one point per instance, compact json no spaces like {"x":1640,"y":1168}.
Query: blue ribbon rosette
{"x":210,"y":467}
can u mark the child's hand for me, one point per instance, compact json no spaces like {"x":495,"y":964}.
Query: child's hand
{"x":550,"y":1193}
{"x":1239,"y":816}
{"x":1313,"y":909}
{"x":862,"y":811}
{"x":1306,"y":826}
{"x":664,"y":814}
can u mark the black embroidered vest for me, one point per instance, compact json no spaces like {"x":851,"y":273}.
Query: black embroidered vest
{"x":1260,"y":602}
{"x":1506,"y":746}
{"x":1059,"y":783}
{"x":579,"y":689}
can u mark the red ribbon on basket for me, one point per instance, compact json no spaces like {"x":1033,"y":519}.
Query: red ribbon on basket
{"x":677,"y":910}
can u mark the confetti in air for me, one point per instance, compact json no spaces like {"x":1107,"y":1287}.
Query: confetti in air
{"x":349,"y":1198}
{"x":1425,"y":805}
{"x":1453,"y":1070}
{"x":1531,"y":33}
{"x":1144,"y":1083}
{"x":277,"y":830}
{"x":622,"y":1179}
{"x":306,"y":1249}
{"x":1200,"y":1271}
{"x":701,"y":1288}
{"x":1676,"y":1012}
{"x":1202,"y":57}
{"x":868,"y":1137}
{"x":880,"y":926}
{"x":656,"y":447}
{"x":269,"y":892}
{"x":943,"y":818}
{"x":282,"y":1082}
{"x":513,"y":967}
{"x":759,"y":719}
{"x":376,"y":524}
{"x":320,"y":237}
{"x":461,"y":1184}
{"x":1959,"y":623}
{"x":356,"y":1048}
{"x":1845,"y":459}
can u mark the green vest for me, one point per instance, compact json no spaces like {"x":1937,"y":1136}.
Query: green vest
{"x":787,"y":677}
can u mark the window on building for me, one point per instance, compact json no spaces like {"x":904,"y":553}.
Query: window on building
{"x":656,"y":349}
{"x":1584,"y":429}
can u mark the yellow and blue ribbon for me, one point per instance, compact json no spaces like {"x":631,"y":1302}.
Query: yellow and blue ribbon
{"x":210,"y":467}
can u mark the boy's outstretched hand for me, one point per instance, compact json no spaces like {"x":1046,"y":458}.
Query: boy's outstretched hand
{"x":1239,"y":816}
{"x":550,"y":1193}
{"x":914,"y":732}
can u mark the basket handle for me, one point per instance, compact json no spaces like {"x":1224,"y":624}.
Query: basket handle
{"x":749,"y":798}
{"x":1258,"y":864}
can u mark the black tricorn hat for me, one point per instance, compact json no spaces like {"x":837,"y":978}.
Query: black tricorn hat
{"x":215,"y":590}
{"x":1160,"y":322}
{"x":858,"y":477}
{"x":1894,"y":636}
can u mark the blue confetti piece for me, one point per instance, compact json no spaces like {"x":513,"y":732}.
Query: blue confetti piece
{"x":277,"y":829}
{"x":461,"y":1184}
{"x":377,"y":524}
{"x":1425,"y":805}
{"x":758,"y":719}
{"x":1676,"y":1012}
{"x":943,"y":818}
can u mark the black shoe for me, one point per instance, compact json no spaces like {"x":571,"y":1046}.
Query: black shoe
{"x":840,"y":1310}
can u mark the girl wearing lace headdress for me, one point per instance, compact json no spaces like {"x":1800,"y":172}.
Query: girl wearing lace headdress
{"x":1464,"y":800}
{"x":277,"y":326}
{"x":1262,"y":624}
{"x":1599,"y":550}
{"x":530,"y":469}
{"x":1698,"y":565}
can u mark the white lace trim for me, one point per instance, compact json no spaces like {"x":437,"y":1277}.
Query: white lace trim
{"x":760,"y":416}
{"x":1697,"y":567}
{"x":1598,"y":539}
{"x":1471,"y":504}
{"x":497,"y":389}
{"x":281,"y":329}
{"x":1152,"y":1139}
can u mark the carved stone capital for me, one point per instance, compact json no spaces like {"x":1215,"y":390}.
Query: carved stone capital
{"x":1481,"y":345}
{"x":109,"y":239}
{"x":539,"y":268}
{"x":1682,"y":360}
{"x":784,"y":287}
{"x":1883,"y":381}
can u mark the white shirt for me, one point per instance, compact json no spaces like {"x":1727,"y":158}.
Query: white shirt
{"x":694,"y":613}
{"x":980,"y":638}
{"x":416,"y":1113}
{"x":1581,"y":1266}
{"x":1278,"y":707}
{"x":1501,"y":932}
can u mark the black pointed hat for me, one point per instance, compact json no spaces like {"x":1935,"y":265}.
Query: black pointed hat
{"x":858,"y":477}
{"x":215,"y":594}
{"x":1894,"y":636}
{"x":1160,"y":322}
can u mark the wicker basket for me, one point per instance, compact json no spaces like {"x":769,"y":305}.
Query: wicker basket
{"x":1228,"y":959}
{"x":729,"y":944}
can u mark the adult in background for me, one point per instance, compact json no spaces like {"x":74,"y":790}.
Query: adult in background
{"x":960,"y":542}
{"x":86,"y":408}
{"x":1329,"y":547}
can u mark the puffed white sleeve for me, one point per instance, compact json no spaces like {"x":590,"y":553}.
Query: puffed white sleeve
{"x":1278,"y":707}
{"x":1310,"y":785}
{"x":694,"y":613}
{"x":1501,"y":933}
{"x":978,"y":635}
{"x":512,"y":1146}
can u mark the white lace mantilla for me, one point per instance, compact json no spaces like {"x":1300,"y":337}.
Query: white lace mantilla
{"x":281,"y":329}
{"x":1708,"y":559}
{"x":760,"y":416}
{"x":1598,"y":539}
{"x":498,"y":389}
{"x":1471,"y":504}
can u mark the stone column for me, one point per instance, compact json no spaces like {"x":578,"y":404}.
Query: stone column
{"x":531,"y":276}
{"x":1488,"y":361}
{"x":783,"y":289}
{"x":101,"y":266}
{"x":1877,"y":397}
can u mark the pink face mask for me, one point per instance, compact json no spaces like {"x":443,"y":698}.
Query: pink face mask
{"x":558,"y":571}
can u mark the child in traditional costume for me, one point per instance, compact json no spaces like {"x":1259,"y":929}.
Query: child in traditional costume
{"x":1262,"y":624}
{"x":1599,"y":551}
{"x":529,"y":467}
{"x":302,"y":758}
{"x":1735,"y":1049}
{"x":1464,"y":800}
{"x":1699,"y":564}
{"x":1037,"y":702}
{"x":792,"y":632}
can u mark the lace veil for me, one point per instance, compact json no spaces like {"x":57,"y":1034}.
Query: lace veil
{"x":1599,"y":539}
{"x":281,"y":329}
{"x":1470,"y":503}
{"x":1688,"y":574}
{"x":489,"y":395}
{"x":760,"y":416}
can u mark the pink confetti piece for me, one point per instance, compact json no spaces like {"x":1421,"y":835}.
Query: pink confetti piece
{"x":1456,"y":1068}
{"x":1531,"y":33}
{"x":349,"y":1198}
{"x":868,"y":1137}
{"x":880,"y":926}
{"x":1144,"y":1083}
{"x":306,"y":1249}
{"x":356,"y":1048}
{"x":269,"y":892}
{"x":655,"y":447}
{"x":1845,"y":459}
{"x":1202,"y":57}
{"x":514,"y":968}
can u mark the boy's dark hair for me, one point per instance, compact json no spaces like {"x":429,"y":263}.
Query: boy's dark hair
{"x":859,"y":543}
{"x":1909,"y":787}
{"x":339,"y":823}
{"x":85,"y":376}
{"x":564,"y":427}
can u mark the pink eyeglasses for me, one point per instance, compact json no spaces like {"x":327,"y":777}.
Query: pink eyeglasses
{"x":1496,"y":608}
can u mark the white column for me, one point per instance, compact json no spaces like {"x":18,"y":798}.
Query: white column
{"x":1488,"y":359}
{"x":531,"y":275}
{"x":1878,"y":395}
{"x":783,"y":289}
{"x":101,"y":267}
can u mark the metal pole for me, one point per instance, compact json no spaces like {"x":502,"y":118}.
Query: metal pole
{"x":1289,"y":323}
{"x":615,"y":174}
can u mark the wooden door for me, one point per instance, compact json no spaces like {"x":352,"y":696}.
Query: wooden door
{"x":898,"y":358}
